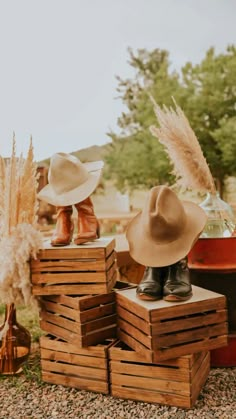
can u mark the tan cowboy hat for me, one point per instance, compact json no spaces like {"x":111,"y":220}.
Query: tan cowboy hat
{"x":165,"y":230}
{"x":69,"y":180}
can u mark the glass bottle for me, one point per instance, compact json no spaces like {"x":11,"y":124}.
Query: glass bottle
{"x":221,"y":219}
{"x":15,"y":343}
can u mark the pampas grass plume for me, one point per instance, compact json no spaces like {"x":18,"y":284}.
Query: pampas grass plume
{"x":20,"y":240}
{"x":183,"y":148}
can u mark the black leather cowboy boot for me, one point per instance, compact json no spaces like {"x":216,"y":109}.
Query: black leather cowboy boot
{"x":150,"y":286}
{"x":177,"y":285}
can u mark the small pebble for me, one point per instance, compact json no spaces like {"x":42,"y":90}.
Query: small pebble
{"x":30,"y":398}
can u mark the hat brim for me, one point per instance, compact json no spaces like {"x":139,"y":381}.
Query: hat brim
{"x":75,"y":195}
{"x":147,"y":252}
{"x":93,"y":166}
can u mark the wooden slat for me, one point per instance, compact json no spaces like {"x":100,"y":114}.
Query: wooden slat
{"x":76,"y":265}
{"x":61,"y":332}
{"x":151,"y":396}
{"x":200,"y":319}
{"x":69,"y":278}
{"x":97,"y":324}
{"x":202,"y":345}
{"x":55,"y":344}
{"x":81,"y":317}
{"x":86,"y":302}
{"x":146,"y":354}
{"x":111,"y":258}
{"x":74,"y":277}
{"x":170,"y":353}
{"x":151,"y":384}
{"x":158,"y":384}
{"x":116,"y":352}
{"x":136,"y":333}
{"x":202,"y":300}
{"x":133,"y":319}
{"x":112,"y":282}
{"x":97,"y":312}
{"x":200,"y":378}
{"x":98,"y":336}
{"x":193,"y":335}
{"x":92,"y":361}
{"x":48,"y":306}
{"x":71,"y":301}
{"x":76,"y":382}
{"x":75,"y":370}
{"x":218,"y":303}
{"x":110,"y":247}
{"x":72,"y":289}
{"x":93,"y":250}
{"x":61,"y":321}
{"x":198,"y":364}
{"x":149,"y":370}
{"x":125,"y":303}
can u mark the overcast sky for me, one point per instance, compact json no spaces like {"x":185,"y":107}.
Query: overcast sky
{"x":59,"y":59}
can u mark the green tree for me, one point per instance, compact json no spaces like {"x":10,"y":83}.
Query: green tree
{"x":205,"y":91}
{"x":136,"y":158}
{"x":210,"y":105}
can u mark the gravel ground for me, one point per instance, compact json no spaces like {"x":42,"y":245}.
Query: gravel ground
{"x":26,"y":397}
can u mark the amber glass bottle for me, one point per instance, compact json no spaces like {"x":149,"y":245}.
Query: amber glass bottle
{"x":15,"y":343}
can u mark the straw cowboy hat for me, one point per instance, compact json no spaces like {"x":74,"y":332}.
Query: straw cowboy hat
{"x":165,"y":230}
{"x":69,"y":180}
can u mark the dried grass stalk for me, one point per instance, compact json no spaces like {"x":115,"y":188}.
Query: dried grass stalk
{"x":28,"y":195}
{"x":20,"y":240}
{"x":183,"y":148}
{"x":2,"y":190}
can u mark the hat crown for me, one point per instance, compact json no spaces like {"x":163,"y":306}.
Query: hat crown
{"x":163,"y":216}
{"x":66,"y":172}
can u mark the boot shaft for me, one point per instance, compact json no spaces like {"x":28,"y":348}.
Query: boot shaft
{"x":88,"y":225}
{"x":64,"y":227}
{"x":85,"y":207}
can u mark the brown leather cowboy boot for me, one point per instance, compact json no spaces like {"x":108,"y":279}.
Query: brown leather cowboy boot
{"x":88,"y":226}
{"x":64,"y":227}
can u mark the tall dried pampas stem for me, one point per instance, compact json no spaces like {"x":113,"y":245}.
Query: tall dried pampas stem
{"x":183,"y":148}
{"x":19,"y":238}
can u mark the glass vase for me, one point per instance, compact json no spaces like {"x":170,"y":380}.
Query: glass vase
{"x":15,"y":343}
{"x":221,"y":220}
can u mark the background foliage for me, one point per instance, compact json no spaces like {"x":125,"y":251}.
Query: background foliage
{"x":206,"y":92}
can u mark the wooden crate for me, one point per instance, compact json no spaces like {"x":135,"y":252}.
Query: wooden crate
{"x":82,"y":320}
{"x":176,"y":382}
{"x":75,"y":270}
{"x":162,"y":330}
{"x":66,"y":364}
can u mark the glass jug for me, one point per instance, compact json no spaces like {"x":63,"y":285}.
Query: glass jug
{"x":221,"y":219}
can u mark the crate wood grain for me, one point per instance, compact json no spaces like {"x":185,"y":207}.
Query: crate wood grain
{"x":82,"y":320}
{"x":161,"y":330}
{"x":176,"y":382}
{"x":66,"y":364}
{"x":75,"y":270}
{"x":98,"y":249}
{"x":85,"y":320}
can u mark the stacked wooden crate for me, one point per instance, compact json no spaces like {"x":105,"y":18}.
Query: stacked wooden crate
{"x":167,"y":355}
{"x":78,"y":314}
{"x":175,"y":382}
{"x":163,"y":352}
